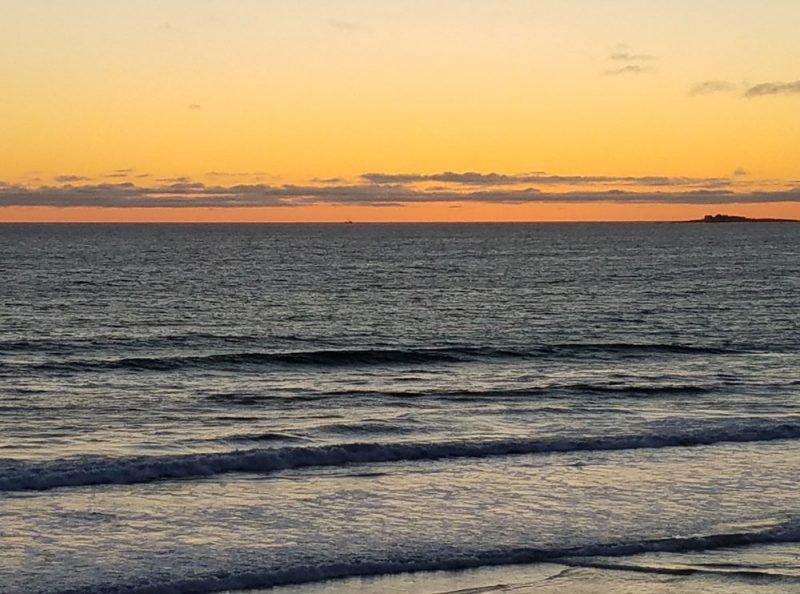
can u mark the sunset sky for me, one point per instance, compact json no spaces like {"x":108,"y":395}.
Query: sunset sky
{"x":398,"y":110}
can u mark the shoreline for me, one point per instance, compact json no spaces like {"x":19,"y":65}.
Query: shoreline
{"x":643,"y":574}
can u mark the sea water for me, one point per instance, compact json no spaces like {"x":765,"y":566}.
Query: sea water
{"x":206,"y":408}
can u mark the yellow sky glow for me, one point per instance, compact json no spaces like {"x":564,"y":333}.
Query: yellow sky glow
{"x":281,"y":94}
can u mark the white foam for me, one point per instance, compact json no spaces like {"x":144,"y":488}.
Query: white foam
{"x":99,"y":470}
{"x":303,"y":574}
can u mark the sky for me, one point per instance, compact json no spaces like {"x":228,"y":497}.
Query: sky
{"x":398,"y":110}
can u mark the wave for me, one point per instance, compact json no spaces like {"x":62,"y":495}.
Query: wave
{"x":449,"y":560}
{"x":643,"y":390}
{"x":381,"y":356}
{"x":262,"y":437}
{"x":96,"y":470}
{"x":315,"y":358}
{"x":731,"y":571}
{"x":143,"y":342}
{"x":366,"y":428}
{"x":512,"y":393}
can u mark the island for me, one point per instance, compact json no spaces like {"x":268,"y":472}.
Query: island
{"x":724,"y":218}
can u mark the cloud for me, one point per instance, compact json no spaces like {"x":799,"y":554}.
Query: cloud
{"x":632,"y":62}
{"x":119,"y":173}
{"x":196,"y":194}
{"x":235,"y":173}
{"x":626,"y":56}
{"x":130,"y":195}
{"x":343,"y":25}
{"x":470,"y":177}
{"x":773,"y":88}
{"x":327,"y":180}
{"x":70,"y":178}
{"x":627,"y":69}
{"x":175,"y":180}
{"x":708,"y":87}
{"x":497,"y":179}
{"x":760,"y":90}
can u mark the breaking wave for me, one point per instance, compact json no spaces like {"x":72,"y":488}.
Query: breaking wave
{"x":83,"y":471}
{"x":579,"y":556}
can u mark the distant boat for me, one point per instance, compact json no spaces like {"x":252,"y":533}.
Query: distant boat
{"x":348,"y":222}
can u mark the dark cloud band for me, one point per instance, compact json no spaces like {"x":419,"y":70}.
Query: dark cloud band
{"x":472,"y":178}
{"x":198,"y":195}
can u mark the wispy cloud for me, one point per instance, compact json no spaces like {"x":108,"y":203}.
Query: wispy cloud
{"x":626,"y":61}
{"x":175,"y":180}
{"x":773,"y":88}
{"x":235,"y":173}
{"x":708,"y":87}
{"x":626,"y":56}
{"x":70,"y":178}
{"x":497,"y":179}
{"x":628,"y":69}
{"x":327,"y":180}
{"x":120,"y":173}
{"x":343,"y":25}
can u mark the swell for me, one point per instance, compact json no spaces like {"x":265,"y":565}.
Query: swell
{"x":84,"y":471}
{"x":450,"y":560}
{"x":94,"y":343}
{"x":268,"y":436}
{"x":556,"y":390}
{"x":513,"y":393}
{"x":381,"y":356}
{"x":643,"y":390}
{"x":367,"y":428}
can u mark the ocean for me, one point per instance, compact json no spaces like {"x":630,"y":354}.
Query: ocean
{"x":331,"y":408}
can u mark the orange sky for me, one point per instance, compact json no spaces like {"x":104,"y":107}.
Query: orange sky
{"x":275,"y":96}
{"x":414,"y":213}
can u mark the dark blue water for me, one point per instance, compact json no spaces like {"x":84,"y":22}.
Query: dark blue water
{"x":201,"y":408}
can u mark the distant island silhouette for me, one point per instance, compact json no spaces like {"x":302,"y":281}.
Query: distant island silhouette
{"x":724,"y":218}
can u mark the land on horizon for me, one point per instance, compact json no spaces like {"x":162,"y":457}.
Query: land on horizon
{"x":724,"y":218}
